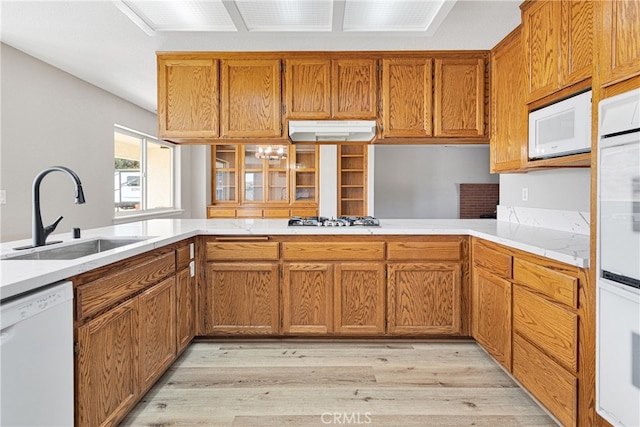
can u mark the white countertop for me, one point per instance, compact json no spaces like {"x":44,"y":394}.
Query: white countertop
{"x":18,"y":276}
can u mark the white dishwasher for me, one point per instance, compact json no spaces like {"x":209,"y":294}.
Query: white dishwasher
{"x":36,"y":357}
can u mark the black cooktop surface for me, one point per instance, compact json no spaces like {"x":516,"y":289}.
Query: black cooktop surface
{"x":343,"y":221}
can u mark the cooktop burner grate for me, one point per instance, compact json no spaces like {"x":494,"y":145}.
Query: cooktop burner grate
{"x":343,"y":221}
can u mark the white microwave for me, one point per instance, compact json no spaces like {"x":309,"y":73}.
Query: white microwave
{"x":562,"y":128}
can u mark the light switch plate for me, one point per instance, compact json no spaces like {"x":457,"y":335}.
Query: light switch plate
{"x":192,"y":268}
{"x":3,"y":197}
{"x":191,"y":250}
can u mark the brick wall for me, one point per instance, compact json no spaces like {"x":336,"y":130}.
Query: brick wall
{"x":478,"y":199}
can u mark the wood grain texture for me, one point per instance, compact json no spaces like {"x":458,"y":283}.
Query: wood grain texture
{"x":407,"y":109}
{"x":489,"y":256}
{"x":307,"y":299}
{"x":425,"y":251}
{"x":354,"y":89}
{"x":547,"y":381}
{"x":541,"y":44}
{"x":157,"y":339}
{"x":102,"y":288}
{"x":250,"y":98}
{"x":555,"y":284}
{"x":332,"y":251}
{"x":292,"y":383}
{"x":242,"y":250}
{"x":576,"y":41}
{"x":459,"y":97}
{"x":106,"y":369}
{"x":423,"y":298}
{"x":619,"y":23}
{"x":359,"y":299}
{"x":308,"y":88}
{"x":188,"y":98}
{"x":509,"y":140}
{"x":241,"y":298}
{"x":491,"y":316}
{"x":185,"y":309}
{"x":548,"y":325}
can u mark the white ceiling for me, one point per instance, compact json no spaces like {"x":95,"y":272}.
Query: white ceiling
{"x":97,"y":42}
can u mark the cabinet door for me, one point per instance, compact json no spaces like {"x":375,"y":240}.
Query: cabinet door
{"x":308,"y":88}
{"x":492,"y":314}
{"x":508,"y":144}
{"x":541,"y":43}
{"x":576,"y":41}
{"x":459,"y":92}
{"x":359,"y":300}
{"x":107,"y":366}
{"x":307,"y":299}
{"x":241,"y":298}
{"x":406,"y":98}
{"x":188,"y":98}
{"x":250,"y":99}
{"x":423,"y":298}
{"x":620,"y":45}
{"x":354,"y":89}
{"x":185,"y":303}
{"x":157,"y":340}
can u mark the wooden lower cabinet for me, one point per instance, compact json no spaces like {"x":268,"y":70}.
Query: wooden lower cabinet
{"x":359,"y":299}
{"x":157,"y":325}
{"x":107,"y":382}
{"x":491,"y":302}
{"x":307,"y":295}
{"x":185,"y":309}
{"x":424,"y":298}
{"x":241,"y":298}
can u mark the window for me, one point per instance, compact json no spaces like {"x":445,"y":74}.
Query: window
{"x":143,"y":172}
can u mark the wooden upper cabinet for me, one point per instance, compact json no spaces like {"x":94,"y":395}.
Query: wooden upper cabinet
{"x":508,"y":117}
{"x":354,"y":89}
{"x":308,"y":88}
{"x":558,"y":44}
{"x":406,"y":98}
{"x":619,"y":23}
{"x":250,"y":98}
{"x":188,"y":98}
{"x":324,"y":88}
{"x":459,"y":92}
{"x":576,"y":41}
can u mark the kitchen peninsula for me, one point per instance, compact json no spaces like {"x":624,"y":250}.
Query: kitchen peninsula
{"x":520,"y":291}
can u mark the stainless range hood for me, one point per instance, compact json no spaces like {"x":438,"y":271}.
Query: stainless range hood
{"x":332,"y":130}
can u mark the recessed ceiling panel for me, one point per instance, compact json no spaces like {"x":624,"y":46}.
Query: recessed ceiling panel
{"x":394,"y":15}
{"x":181,"y":15}
{"x":286,"y":15}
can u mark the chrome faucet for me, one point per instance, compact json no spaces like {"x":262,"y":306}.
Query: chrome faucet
{"x":40,"y":233}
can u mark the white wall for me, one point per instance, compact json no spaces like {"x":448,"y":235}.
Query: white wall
{"x":562,"y":189}
{"x":419,"y":181}
{"x":49,"y":117}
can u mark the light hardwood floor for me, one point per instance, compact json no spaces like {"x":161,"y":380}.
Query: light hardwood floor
{"x":325,"y":383}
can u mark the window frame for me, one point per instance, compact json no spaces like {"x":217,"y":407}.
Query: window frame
{"x":144,"y":211}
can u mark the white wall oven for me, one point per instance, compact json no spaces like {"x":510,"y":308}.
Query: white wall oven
{"x":618,"y":260}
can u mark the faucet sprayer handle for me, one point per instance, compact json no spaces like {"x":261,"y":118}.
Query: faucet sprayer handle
{"x":49,"y":228}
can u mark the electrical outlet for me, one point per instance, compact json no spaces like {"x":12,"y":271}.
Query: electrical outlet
{"x":525,"y":194}
{"x":3,"y":197}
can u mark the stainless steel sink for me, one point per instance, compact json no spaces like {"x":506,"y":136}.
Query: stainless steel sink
{"x":78,"y":250}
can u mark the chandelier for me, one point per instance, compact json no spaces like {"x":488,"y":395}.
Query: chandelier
{"x":271,"y":152}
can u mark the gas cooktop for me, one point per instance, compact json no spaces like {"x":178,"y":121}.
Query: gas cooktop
{"x":343,"y":221}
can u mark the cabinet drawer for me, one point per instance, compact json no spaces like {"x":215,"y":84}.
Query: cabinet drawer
{"x":427,"y":251}
{"x":496,"y":262}
{"x":277,"y":213}
{"x":183,"y":257}
{"x":557,"y":285}
{"x":546,"y":380}
{"x":249,"y":213}
{"x":304,"y":212}
{"x":550,"y":326}
{"x":242,"y":250}
{"x":127,"y":280}
{"x":333,"y":251}
{"x":221,"y":213}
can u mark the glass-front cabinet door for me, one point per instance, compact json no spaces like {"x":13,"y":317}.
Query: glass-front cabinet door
{"x":225,"y":184}
{"x":278,"y":178}
{"x":253,"y":169}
